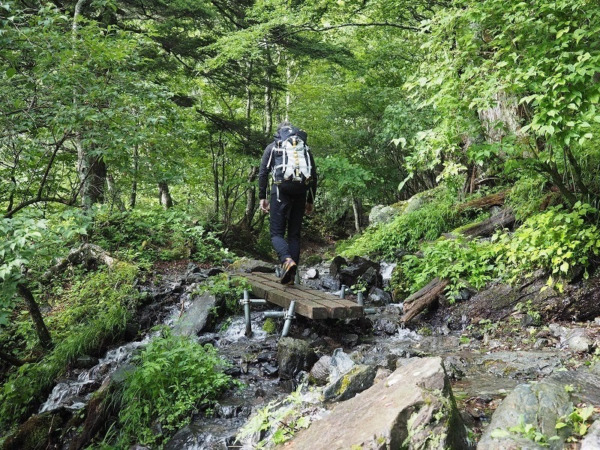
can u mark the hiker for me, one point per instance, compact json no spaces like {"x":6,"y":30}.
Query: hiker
{"x":294,"y":185}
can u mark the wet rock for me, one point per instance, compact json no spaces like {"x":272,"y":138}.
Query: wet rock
{"x":336,"y":264}
{"x":378,"y":296}
{"x":350,"y":339}
{"x":293,"y":356}
{"x":85,"y":362}
{"x":252,"y":265}
{"x":526,"y":365}
{"x":311,"y":274}
{"x":540,"y":404}
{"x":386,"y":325}
{"x":329,"y":283}
{"x":363,"y":269}
{"x":216,"y":271}
{"x":356,"y":380}
{"x":540,"y":343}
{"x":414,"y":407}
{"x":269,"y":370}
{"x":319,"y":374}
{"x":194,"y":319}
{"x":592,"y":438}
{"x":339,"y":364}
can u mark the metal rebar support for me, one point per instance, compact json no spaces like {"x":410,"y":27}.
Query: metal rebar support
{"x":274,"y":314}
{"x":360,"y":299}
{"x":297,"y":277}
{"x":246,"y":303}
{"x":278,"y":272}
{"x":288,"y":319}
{"x":369,"y":310}
{"x":343,"y":291}
{"x":258,"y":301}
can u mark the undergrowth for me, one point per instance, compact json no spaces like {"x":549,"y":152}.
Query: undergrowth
{"x":174,"y":377}
{"x":556,"y":241}
{"x":94,"y":314}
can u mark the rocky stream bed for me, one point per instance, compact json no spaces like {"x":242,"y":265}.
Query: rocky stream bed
{"x":489,"y":372}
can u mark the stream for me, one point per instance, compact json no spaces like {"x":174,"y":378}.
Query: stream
{"x":477,"y":375}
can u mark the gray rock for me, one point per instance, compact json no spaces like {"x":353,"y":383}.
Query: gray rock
{"x":319,"y":373}
{"x":387,"y":325}
{"x":575,"y":339}
{"x":414,"y":404}
{"x":85,"y":362}
{"x":540,"y":404}
{"x":339,"y":364}
{"x":311,"y":274}
{"x":194,"y":319}
{"x":381,"y":214}
{"x":336,"y":264}
{"x":356,"y":380}
{"x":251,"y":265}
{"x":379,"y":296}
{"x":592,"y":438}
{"x":360,"y":269}
{"x":294,"y":356}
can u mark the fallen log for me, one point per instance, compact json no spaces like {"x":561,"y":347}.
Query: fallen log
{"x":487,"y":227}
{"x":421,"y":299}
{"x":85,"y":254}
{"x":488,"y":201}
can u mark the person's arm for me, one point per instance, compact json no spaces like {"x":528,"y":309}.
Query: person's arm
{"x":263,"y":179}
{"x":312,"y":187}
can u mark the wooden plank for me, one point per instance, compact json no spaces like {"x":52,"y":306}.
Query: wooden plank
{"x":283,"y":298}
{"x":337,"y":308}
{"x":309,"y":303}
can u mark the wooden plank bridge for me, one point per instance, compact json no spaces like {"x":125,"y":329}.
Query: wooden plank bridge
{"x":309,"y":302}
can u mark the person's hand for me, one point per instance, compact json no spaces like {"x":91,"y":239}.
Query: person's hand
{"x":264,"y":205}
{"x":309,"y":208}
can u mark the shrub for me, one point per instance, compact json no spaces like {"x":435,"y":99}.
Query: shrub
{"x":174,"y":377}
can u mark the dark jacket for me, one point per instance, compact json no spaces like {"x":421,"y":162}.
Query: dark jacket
{"x":265,"y":173}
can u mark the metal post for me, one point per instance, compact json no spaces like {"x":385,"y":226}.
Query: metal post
{"x":288,"y":319}
{"x":278,"y":272}
{"x":360,"y":298}
{"x":369,"y":310}
{"x":343,"y":291}
{"x":246,"y":303}
{"x":297,"y":278}
{"x":258,"y":301}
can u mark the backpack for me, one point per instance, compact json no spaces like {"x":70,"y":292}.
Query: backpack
{"x":289,"y":159}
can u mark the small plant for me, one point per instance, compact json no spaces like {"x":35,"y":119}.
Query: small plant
{"x":526,"y":430}
{"x":270,"y":326}
{"x":578,"y":421}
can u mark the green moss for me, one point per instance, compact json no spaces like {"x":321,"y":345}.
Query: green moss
{"x":269,"y":326}
{"x":346,"y":380}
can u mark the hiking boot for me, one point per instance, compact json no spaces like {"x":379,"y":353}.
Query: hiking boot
{"x":288,"y":270}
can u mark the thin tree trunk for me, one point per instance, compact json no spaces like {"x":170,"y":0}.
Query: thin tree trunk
{"x":36,"y":315}
{"x":164,"y":195}
{"x":115,"y":198}
{"x":268,"y":95}
{"x":250,"y":199}
{"x":136,"y":162}
{"x":357,"y":209}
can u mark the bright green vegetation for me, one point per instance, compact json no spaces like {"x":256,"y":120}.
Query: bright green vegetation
{"x":280,"y":420}
{"x":556,"y":241}
{"x":174,"y":377}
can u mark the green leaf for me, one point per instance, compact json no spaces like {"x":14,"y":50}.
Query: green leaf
{"x":499,"y":433}
{"x":11,"y":72}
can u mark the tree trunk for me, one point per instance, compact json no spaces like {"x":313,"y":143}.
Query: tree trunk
{"x":496,"y":199}
{"x":250,"y":199}
{"x":357,"y":209}
{"x":268,"y":96}
{"x":164,"y":195}
{"x":115,"y":198}
{"x":488,"y":226}
{"x":36,"y":315}
{"x":133,"y":195}
{"x":424,"y":297}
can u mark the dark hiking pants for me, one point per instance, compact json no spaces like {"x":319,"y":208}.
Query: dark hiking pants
{"x":286,"y":215}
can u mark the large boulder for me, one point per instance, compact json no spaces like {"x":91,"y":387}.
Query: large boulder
{"x":361,"y":269}
{"x":381,"y":214}
{"x":294,"y":356}
{"x":194,"y":319}
{"x":412,"y":408}
{"x":540,"y":404}
{"x":248,"y":265}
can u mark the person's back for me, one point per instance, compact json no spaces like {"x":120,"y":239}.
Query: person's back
{"x":294,"y":184}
